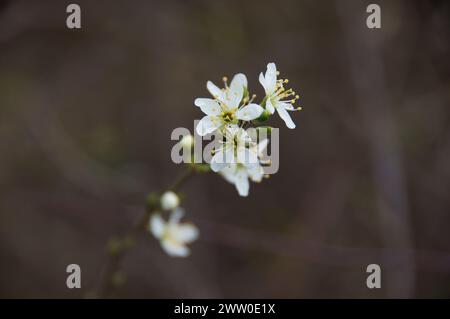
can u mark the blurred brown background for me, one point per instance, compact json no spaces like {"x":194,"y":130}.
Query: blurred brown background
{"x":85,"y":123}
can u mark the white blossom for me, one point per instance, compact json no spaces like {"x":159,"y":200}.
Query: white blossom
{"x":234,"y":149}
{"x":228,"y":106}
{"x":172,"y":234}
{"x":275,"y":93}
{"x":239,"y":173}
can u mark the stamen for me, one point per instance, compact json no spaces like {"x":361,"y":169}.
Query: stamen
{"x":286,"y":93}
{"x":266,"y":162}
{"x":225,"y":81}
{"x":253,"y":97}
{"x":279,"y":91}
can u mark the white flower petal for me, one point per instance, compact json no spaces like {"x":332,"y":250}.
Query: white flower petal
{"x":207,"y":124}
{"x":239,"y":79}
{"x":262,"y":80}
{"x":270,"y":78}
{"x":246,"y":157}
{"x":241,"y":182}
{"x":186,"y":233}
{"x":249,"y":112}
{"x":208,"y":106}
{"x":174,"y":249}
{"x":242,"y":155}
{"x":157,"y":225}
{"x":262,"y":146}
{"x":243,"y":136}
{"x":269,"y":106}
{"x":256,"y":173}
{"x":230,"y":158}
{"x":218,"y":162}
{"x":235,"y":91}
{"x":229,"y":173}
{"x":286,"y":117}
{"x":286,"y":106}
{"x":231,"y":130}
{"x":215,"y":91}
{"x":176,"y":216}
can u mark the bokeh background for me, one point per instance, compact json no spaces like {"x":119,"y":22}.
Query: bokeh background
{"x":85,"y":123}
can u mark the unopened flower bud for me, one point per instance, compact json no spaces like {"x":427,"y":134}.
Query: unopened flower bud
{"x":169,"y":201}
{"x":187,"y":141}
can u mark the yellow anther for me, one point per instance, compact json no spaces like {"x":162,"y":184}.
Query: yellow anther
{"x":225,"y":82}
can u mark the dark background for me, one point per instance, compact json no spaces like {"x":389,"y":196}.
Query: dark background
{"x":85,"y":123}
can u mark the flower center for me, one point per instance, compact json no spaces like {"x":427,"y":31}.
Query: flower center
{"x":228,"y":117}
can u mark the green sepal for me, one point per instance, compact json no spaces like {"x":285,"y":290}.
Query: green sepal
{"x":264,"y":116}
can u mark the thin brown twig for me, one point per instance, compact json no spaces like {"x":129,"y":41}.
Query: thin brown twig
{"x":112,"y":277}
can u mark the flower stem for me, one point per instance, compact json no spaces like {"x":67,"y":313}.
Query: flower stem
{"x":182,"y":179}
{"x":118,"y":248}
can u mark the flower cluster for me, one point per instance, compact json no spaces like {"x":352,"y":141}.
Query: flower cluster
{"x":238,"y":157}
{"x":230,"y":110}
